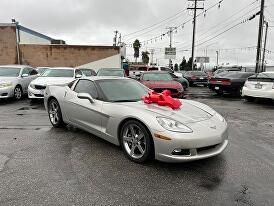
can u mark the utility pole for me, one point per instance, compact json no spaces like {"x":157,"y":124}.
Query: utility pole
{"x":265,"y":39}
{"x":170,"y":41}
{"x":260,"y":34}
{"x":217,"y":53}
{"x":115,"y":38}
{"x":17,"y":40}
{"x":194,"y":27}
{"x":151,"y":57}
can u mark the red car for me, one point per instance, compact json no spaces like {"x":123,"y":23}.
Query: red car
{"x":160,"y":81}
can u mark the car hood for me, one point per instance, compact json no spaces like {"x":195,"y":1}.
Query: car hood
{"x":187,"y":114}
{"x":52,"y":80}
{"x":8,"y":79}
{"x":162,"y":84}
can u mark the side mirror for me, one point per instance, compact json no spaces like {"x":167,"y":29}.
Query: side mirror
{"x":77,"y":76}
{"x":85,"y":96}
{"x":24,"y":75}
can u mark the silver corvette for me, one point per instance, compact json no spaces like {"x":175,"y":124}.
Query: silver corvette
{"x":111,"y":108}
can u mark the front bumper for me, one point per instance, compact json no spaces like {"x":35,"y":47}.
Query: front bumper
{"x":257,"y":93}
{"x":35,"y":93}
{"x":6,"y":92}
{"x":203,"y":143}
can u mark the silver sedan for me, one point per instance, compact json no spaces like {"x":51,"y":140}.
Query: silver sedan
{"x":112,"y":108}
{"x":15,"y":79}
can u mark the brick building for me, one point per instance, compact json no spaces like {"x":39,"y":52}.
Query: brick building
{"x":20,"y":45}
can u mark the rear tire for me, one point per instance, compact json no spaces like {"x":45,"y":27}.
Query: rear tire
{"x":55,"y":114}
{"x":136,"y":141}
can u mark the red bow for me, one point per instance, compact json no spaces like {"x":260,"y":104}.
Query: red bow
{"x":162,"y":99}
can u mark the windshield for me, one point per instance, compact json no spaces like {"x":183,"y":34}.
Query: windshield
{"x":88,"y":72}
{"x":157,"y":77}
{"x":111,"y":72}
{"x":58,"y":73}
{"x":122,"y":90}
{"x":41,"y":70}
{"x":9,"y":72}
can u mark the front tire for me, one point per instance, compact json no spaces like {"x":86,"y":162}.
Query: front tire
{"x":249,"y":99}
{"x":136,"y":141}
{"x":18,"y":93}
{"x":55,"y":114}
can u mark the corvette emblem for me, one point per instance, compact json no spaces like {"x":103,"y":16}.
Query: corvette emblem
{"x":213,"y":127}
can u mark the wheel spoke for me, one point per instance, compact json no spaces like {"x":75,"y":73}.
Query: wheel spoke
{"x":128,"y":139}
{"x":132,"y":150}
{"x":132,"y":130}
{"x":140,"y":136}
{"x":142,"y":151}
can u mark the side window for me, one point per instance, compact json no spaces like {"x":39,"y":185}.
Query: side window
{"x":86,"y":86}
{"x":78,"y":72}
{"x":32,"y":71}
{"x":25,"y":71}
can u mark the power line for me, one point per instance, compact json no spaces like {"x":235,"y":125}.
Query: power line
{"x":230,"y":23}
{"x":183,"y":24}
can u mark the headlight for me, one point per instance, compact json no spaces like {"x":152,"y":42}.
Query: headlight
{"x":173,"y":125}
{"x":5,"y":84}
{"x":32,"y":86}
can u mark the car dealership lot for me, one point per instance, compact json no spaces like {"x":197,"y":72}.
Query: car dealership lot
{"x":43,"y":165}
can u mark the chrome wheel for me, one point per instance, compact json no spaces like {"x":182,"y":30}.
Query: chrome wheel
{"x":54,"y":114}
{"x":17,"y":93}
{"x":134,"y":141}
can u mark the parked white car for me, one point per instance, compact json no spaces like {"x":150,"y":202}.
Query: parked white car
{"x":15,"y":79}
{"x":52,"y":76}
{"x":259,"y":86}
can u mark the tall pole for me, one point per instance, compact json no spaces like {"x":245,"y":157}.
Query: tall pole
{"x":259,"y":44}
{"x":263,"y":60}
{"x":115,"y":38}
{"x":194,"y":29}
{"x":193,"y":35}
{"x":170,"y":41}
{"x":151,"y":57}
{"x":217,"y":53}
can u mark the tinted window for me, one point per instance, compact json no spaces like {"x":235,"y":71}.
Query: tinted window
{"x":86,"y":86}
{"x":78,"y":72}
{"x":111,"y":72}
{"x":157,"y":77}
{"x":32,"y":71}
{"x":9,"y":72}
{"x":58,"y":73}
{"x":122,"y":90}
{"x":25,"y":71}
{"x":88,"y":72}
{"x":153,"y":69}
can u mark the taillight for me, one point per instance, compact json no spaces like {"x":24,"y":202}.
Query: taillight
{"x":226,"y":82}
{"x":193,"y":77}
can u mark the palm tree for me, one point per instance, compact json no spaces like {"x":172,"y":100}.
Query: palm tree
{"x":145,"y":57}
{"x":136,"y":47}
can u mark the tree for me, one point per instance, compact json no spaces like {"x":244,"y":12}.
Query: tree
{"x":183,"y":64}
{"x":145,"y":57}
{"x":176,"y":67}
{"x":189,"y":64}
{"x":136,"y":47}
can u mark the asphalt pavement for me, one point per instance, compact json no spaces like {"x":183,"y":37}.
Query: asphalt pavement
{"x":41,"y":165}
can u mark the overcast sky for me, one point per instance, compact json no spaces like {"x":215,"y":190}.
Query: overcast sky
{"x":93,"y":22}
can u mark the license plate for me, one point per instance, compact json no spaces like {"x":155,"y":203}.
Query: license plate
{"x":258,"y":86}
{"x":201,"y":77}
{"x":217,"y":88}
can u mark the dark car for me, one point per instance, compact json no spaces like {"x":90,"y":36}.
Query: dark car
{"x":229,"y":82}
{"x":111,"y":72}
{"x":160,"y":81}
{"x":196,"y":78}
{"x":183,"y":81}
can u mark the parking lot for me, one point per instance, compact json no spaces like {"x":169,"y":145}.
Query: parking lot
{"x":43,"y":165}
